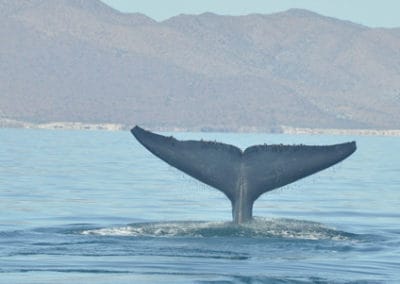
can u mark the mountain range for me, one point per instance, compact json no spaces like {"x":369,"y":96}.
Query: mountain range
{"x":82,"y":61}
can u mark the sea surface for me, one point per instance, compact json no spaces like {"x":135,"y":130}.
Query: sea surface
{"x":96,"y":207}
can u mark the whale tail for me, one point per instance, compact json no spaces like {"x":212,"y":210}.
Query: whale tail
{"x":243,"y":175}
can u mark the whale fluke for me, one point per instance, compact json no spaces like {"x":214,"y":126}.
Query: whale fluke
{"x":243,"y":175}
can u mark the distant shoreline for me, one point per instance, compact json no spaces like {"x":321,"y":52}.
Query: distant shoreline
{"x":9,"y":123}
{"x":334,"y":131}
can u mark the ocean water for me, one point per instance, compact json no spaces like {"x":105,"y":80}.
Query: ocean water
{"x":96,"y":207}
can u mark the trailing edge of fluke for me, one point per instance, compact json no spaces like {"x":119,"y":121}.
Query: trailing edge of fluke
{"x":243,"y":176}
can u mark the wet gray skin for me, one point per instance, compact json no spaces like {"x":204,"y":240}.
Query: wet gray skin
{"x":243,"y":176}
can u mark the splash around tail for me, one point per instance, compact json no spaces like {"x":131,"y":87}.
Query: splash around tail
{"x":258,"y":228}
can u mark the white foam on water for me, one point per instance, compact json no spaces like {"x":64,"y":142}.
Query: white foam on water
{"x":259,"y":228}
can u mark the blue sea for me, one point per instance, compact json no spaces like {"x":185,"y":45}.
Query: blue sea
{"x":96,"y":207}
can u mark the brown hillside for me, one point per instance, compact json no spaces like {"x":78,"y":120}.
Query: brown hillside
{"x":80,"y":60}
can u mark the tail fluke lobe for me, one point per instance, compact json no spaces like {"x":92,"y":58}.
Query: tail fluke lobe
{"x":215,"y":164}
{"x":272,"y":166}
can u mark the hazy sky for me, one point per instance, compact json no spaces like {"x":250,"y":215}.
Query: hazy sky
{"x":374,"y":13}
